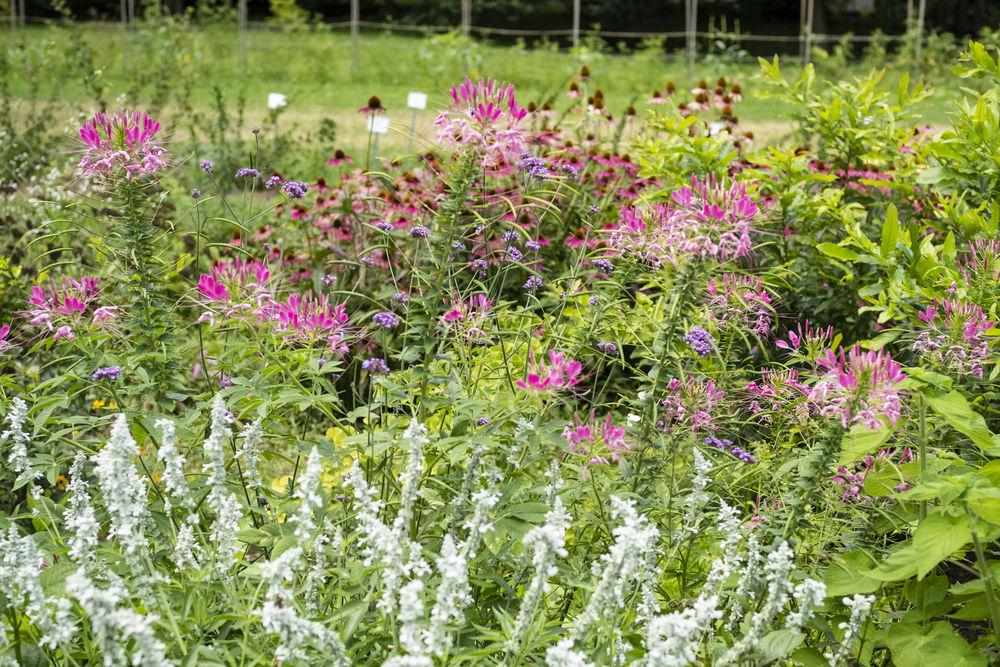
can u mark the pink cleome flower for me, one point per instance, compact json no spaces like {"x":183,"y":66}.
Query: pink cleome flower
{"x":774,"y":391}
{"x":5,"y":343}
{"x":65,"y":309}
{"x":121,"y":143}
{"x":600,"y":444}
{"x":236,"y":287}
{"x":689,"y":404}
{"x":559,"y":373}
{"x":484,"y":117}
{"x":859,"y":387}
{"x":469,"y":316}
{"x":954,"y":338}
{"x":742,"y":302}
{"x":852,"y":480}
{"x":708,"y":220}
{"x":308,"y":318}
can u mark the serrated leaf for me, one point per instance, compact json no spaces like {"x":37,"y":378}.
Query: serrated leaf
{"x":934,"y":645}
{"x":935,"y":539}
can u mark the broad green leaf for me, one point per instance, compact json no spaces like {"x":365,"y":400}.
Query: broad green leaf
{"x":985,"y":502}
{"x":779,"y":643}
{"x":955,"y":410}
{"x":846,"y":575}
{"x":860,"y":441}
{"x":837,"y":252}
{"x":934,"y":645}
{"x":935,"y":539}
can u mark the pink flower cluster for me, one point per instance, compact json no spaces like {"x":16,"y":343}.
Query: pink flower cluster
{"x":859,"y":387}
{"x":954,"y":338}
{"x":853,"y":480}
{"x":689,"y":404}
{"x":484,"y":117}
{"x":236,"y":287}
{"x":64,"y":309}
{"x":560,"y":372}
{"x":469,"y":316}
{"x":600,"y":444}
{"x":708,"y":220}
{"x":741,"y":302}
{"x":806,"y":340}
{"x":121,"y":143}
{"x":309,"y":318}
{"x":774,"y":391}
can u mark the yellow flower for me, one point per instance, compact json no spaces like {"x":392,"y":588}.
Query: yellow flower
{"x":98,"y":404}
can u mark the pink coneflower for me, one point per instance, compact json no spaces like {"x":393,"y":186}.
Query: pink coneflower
{"x":121,"y":144}
{"x":954,"y":337}
{"x":560,"y":372}
{"x":339,"y":158}
{"x":374,"y":106}
{"x":859,"y":387}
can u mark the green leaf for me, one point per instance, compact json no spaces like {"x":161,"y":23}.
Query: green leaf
{"x":985,"y":502}
{"x":955,"y":410}
{"x":860,"y":441}
{"x":935,"y":539}
{"x":890,"y":231}
{"x":838,"y":252}
{"x":845,"y":575}
{"x":935,"y":645}
{"x":779,"y":643}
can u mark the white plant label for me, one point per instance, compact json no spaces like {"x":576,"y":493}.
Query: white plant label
{"x":378,"y":124}
{"x":276,"y":101}
{"x":416,"y":100}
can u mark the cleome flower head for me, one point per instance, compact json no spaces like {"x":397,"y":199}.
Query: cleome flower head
{"x":859,"y":387}
{"x":954,"y":337}
{"x":484,"y":117}
{"x":560,"y":372}
{"x":121,"y":144}
{"x":65,"y":309}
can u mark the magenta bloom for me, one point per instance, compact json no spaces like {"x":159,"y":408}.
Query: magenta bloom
{"x":308,"y":318}
{"x":5,"y":344}
{"x":64,"y":309}
{"x":774,"y":391}
{"x":236,"y":287}
{"x":859,"y":387}
{"x":601,"y":444}
{"x":689,"y":404}
{"x":560,"y":373}
{"x":707,"y":220}
{"x":741,"y":302}
{"x":954,"y":337}
{"x":852,"y":480}
{"x":469,"y":317}
{"x":484,"y":117}
{"x":121,"y":143}
{"x":806,"y":338}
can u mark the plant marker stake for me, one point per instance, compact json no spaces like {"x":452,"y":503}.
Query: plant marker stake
{"x":415,"y":101}
{"x":377,"y":125}
{"x":276,"y":101}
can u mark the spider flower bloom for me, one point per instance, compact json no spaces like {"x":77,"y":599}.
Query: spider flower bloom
{"x":234,"y":287}
{"x":810,"y":341}
{"x":4,"y":343}
{"x":559,"y":373}
{"x":859,"y":387}
{"x":601,"y":444}
{"x":741,"y":302}
{"x":774,"y":391}
{"x":484,"y":117}
{"x":954,"y":338}
{"x":469,"y":317}
{"x":689,"y":404}
{"x":121,"y":143}
{"x":308,"y":318}
{"x":64,"y":309}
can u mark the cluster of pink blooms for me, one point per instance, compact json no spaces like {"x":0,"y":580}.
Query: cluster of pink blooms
{"x":601,"y":444}
{"x":859,"y":387}
{"x":741,"y":302}
{"x":239,"y":289}
{"x":954,"y":338}
{"x":708,"y":220}
{"x":485,"y":118}
{"x":689,"y":404}
{"x":560,"y":372}
{"x":805,"y":340}
{"x":5,"y":343}
{"x":979,"y":265}
{"x":774,"y":391}
{"x":63,"y":309}
{"x":469,"y":316}
{"x":853,"y":480}
{"x":121,"y":143}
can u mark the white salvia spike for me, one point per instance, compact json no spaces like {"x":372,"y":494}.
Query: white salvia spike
{"x":860,"y":606}
{"x":776,"y":569}
{"x":187,"y":549}
{"x":696,"y":500}
{"x":415,"y":436}
{"x":634,"y":540}
{"x":116,"y":625}
{"x":18,"y":459}
{"x":672,"y":640}
{"x":547,"y":542}
{"x":249,"y":453}
{"x":224,"y":504}
{"x":123,"y":490}
{"x":310,"y":500}
{"x":280,"y":617}
{"x":317,"y":575}
{"x":750,"y":578}
{"x":563,"y":655}
{"x":79,"y":518}
{"x":20,"y":581}
{"x":173,"y":467}
{"x":808,"y":595}
{"x":729,"y":526}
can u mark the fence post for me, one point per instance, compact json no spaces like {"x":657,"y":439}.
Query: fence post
{"x":691,"y":12}
{"x":13,"y":17}
{"x":466,"y":16}
{"x":921,"y":10}
{"x":808,"y":9}
{"x":355,"y":18}
{"x":242,"y":29}
{"x":576,"y":23}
